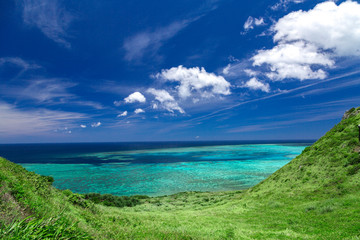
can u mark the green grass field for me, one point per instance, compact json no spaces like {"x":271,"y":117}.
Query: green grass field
{"x":315,"y":196}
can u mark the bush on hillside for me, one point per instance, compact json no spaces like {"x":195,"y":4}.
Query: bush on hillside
{"x":115,"y":201}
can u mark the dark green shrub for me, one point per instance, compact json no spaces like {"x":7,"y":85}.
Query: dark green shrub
{"x":114,"y":201}
{"x":78,"y":199}
{"x":229,"y":233}
{"x":48,"y":179}
{"x":353,"y":169}
{"x":340,"y":127}
{"x":353,"y":141}
{"x":353,"y":159}
{"x":310,"y":208}
{"x":141,"y":196}
{"x":306,"y":149}
{"x":67,"y":192}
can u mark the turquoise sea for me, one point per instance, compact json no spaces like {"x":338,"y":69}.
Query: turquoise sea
{"x":153,"y":168}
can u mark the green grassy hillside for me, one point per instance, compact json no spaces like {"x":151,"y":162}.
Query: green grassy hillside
{"x":315,"y":196}
{"x":328,"y":168}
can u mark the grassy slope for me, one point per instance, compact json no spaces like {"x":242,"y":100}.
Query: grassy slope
{"x":315,"y":196}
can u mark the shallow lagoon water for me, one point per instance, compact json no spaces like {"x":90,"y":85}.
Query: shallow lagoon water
{"x":165,"y":171}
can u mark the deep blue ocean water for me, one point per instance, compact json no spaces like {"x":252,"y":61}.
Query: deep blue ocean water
{"x":154,"y":168}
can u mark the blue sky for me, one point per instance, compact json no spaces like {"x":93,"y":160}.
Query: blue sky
{"x":80,"y":71}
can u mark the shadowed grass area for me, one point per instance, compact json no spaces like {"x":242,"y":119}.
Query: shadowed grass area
{"x":315,"y":196}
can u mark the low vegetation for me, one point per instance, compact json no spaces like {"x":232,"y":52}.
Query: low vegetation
{"x":315,"y":196}
{"x":114,"y":201}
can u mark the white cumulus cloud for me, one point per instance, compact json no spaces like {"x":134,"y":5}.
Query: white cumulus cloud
{"x":255,"y":84}
{"x":138,"y":110}
{"x":195,"y":80}
{"x":123,"y":114}
{"x":293,"y":60}
{"x":96,"y":124}
{"x":82,"y":125}
{"x":161,"y":95}
{"x":328,"y":26}
{"x":308,"y":42}
{"x":226,"y":70}
{"x":135,"y":97}
{"x":252,"y":22}
{"x":166,"y":100}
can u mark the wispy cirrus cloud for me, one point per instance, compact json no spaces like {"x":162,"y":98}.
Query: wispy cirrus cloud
{"x":148,"y":42}
{"x":286,"y":123}
{"x":221,"y":111}
{"x":87,"y":103}
{"x":18,"y":62}
{"x":329,"y":88}
{"x":344,"y":103}
{"x":21,"y":64}
{"x":50,"y":17}
{"x":46,"y":91}
{"x":283,"y":4}
{"x":41,"y":90}
{"x":15,"y":121}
